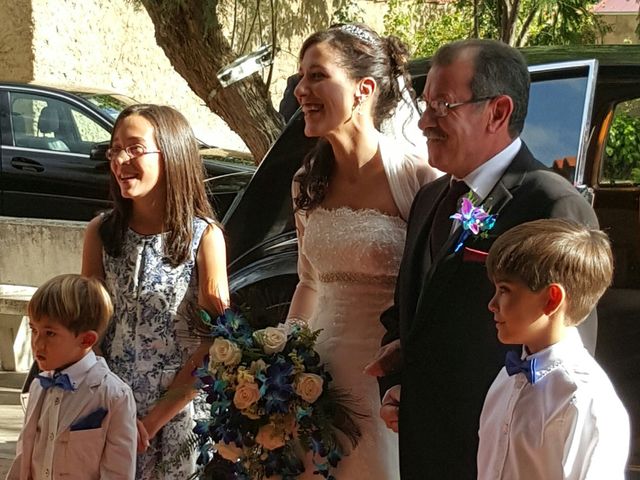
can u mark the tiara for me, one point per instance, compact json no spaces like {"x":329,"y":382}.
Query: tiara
{"x":358,"y":32}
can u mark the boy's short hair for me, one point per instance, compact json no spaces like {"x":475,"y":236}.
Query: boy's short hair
{"x":78,"y":303}
{"x":548,"y":251}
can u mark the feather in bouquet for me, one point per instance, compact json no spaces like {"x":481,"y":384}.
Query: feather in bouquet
{"x":270,"y":403}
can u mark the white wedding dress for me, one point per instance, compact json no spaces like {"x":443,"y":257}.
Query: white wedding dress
{"x":347,"y":264}
{"x":356,"y":255}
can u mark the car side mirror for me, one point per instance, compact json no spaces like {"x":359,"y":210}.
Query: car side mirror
{"x":98,"y":152}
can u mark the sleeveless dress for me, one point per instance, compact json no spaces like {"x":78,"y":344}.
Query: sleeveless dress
{"x":148,"y":341}
{"x":356,"y":255}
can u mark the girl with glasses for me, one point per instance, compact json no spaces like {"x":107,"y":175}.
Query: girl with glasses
{"x":162,"y":256}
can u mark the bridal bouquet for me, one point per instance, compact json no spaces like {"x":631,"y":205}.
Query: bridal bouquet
{"x":269,"y":403}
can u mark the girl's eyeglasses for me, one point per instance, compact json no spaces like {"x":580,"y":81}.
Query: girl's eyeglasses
{"x":132,"y":151}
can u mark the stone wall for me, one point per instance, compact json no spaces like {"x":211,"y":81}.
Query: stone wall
{"x":111,"y":45}
{"x":16,"y":45}
{"x":623,"y":28}
{"x":302,"y":19}
{"x":34,"y":250}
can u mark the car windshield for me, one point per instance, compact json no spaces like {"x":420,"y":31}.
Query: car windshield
{"x":110,"y":103}
{"x":113,"y":103}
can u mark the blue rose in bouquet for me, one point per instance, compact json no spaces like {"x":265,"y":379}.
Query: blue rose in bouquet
{"x":270,"y":403}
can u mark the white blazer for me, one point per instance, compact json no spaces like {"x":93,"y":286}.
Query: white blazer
{"x":108,"y":452}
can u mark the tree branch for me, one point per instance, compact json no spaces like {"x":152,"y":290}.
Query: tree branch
{"x":197,"y":51}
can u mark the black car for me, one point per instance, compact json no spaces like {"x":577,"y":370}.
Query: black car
{"x":583,"y":120}
{"x":51,"y":167}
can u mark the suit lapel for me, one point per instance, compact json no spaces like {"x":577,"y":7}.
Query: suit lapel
{"x":423,"y":236}
{"x":495,"y":202}
{"x":417,"y":255}
{"x":36,"y":396}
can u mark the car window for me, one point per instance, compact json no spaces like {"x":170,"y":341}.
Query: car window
{"x":46,"y":123}
{"x":554,"y":129}
{"x":621,"y":161}
{"x":617,"y":204}
{"x":88,"y":130}
{"x":109,"y":103}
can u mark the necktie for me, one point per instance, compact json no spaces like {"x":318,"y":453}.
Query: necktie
{"x":441,"y":226}
{"x":515,"y":365}
{"x":60,"y":380}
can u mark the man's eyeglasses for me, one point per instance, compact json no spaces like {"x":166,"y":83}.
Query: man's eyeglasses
{"x":132,"y":151}
{"x":440,"y":108}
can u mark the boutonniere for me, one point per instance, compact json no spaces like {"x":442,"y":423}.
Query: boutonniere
{"x":474,"y":220}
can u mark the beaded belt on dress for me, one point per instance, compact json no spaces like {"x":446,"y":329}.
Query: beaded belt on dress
{"x":357,"y":277}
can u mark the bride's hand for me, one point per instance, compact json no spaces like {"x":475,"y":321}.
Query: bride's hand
{"x":388,"y":360}
{"x":390,"y":407}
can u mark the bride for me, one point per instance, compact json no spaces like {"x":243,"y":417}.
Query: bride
{"x":352,"y":199}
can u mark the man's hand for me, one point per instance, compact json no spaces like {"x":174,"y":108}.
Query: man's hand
{"x":390,"y":407}
{"x":388,"y":360}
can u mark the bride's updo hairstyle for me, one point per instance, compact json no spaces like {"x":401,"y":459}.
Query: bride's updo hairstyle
{"x":361,"y":52}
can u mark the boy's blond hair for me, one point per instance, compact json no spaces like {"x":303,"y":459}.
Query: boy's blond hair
{"x":548,"y":251}
{"x":78,"y":303}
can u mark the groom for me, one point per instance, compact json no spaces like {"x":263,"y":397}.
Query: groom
{"x":476,"y":98}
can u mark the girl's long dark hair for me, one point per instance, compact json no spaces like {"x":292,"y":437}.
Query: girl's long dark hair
{"x":366,"y":55}
{"x":184,"y":175}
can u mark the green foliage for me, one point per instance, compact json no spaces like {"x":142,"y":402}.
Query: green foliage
{"x":426,"y":25}
{"x":622,"y":161}
{"x":348,"y":12}
{"x":569,"y":22}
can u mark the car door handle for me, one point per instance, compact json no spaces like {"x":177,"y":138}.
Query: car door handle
{"x":22,"y":163}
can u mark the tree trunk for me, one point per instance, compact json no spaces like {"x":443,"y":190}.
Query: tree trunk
{"x":191,"y":37}
{"x":509,"y":20}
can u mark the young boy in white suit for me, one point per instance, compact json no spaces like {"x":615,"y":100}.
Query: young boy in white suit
{"x":81,"y":418}
{"x":552,"y":412}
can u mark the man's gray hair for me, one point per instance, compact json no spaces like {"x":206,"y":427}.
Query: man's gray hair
{"x":498,"y":70}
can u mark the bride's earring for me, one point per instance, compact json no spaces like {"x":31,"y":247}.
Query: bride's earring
{"x":357,"y":106}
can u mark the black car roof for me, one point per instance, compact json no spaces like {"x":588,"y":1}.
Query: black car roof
{"x":607,"y":55}
{"x":52,"y":87}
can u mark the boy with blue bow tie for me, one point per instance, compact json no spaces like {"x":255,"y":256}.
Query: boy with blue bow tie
{"x":551,"y":413}
{"x":81,"y":418}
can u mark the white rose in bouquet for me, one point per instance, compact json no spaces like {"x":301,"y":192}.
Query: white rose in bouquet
{"x":309,"y":386}
{"x":224,"y":351}
{"x":272,"y":339}
{"x":246,"y":395}
{"x":229,"y":452}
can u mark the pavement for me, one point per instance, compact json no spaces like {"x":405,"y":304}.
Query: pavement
{"x":11,"y":417}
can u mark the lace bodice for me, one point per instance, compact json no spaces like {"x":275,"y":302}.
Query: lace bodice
{"x":358,"y":244}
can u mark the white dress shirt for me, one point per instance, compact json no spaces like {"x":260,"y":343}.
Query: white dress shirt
{"x":53,"y":408}
{"x":569,"y":424}
{"x":482,"y":180}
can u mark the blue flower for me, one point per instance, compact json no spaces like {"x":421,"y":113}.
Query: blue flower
{"x":201,"y":428}
{"x":278,"y":386}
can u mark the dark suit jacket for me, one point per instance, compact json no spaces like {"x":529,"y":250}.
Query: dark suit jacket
{"x":448,"y":336}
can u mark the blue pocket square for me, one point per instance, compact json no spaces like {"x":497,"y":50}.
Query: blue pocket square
{"x":93,"y":420}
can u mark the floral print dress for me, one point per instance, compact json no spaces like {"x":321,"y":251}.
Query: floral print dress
{"x":148,"y":339}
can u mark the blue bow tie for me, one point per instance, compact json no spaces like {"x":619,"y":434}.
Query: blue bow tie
{"x":514,"y":365}
{"x":60,"y":380}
